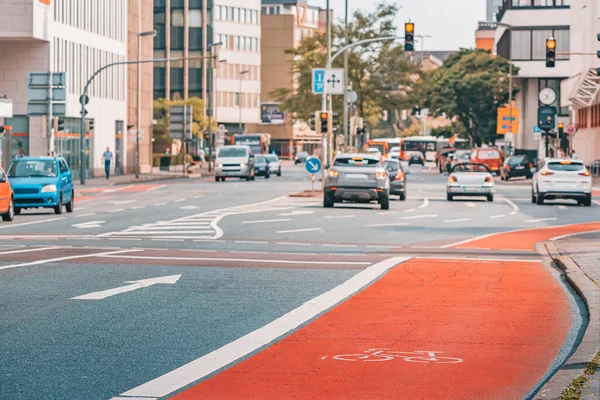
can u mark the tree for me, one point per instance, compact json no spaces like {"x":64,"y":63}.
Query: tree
{"x":377,"y":71}
{"x":469,"y":87}
{"x":161,"y":115}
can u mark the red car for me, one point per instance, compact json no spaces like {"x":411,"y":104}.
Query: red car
{"x":7,"y":208}
{"x":490,"y":157}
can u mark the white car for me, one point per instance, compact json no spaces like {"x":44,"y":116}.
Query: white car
{"x":395,"y":153}
{"x":562,"y":179}
{"x":375,"y":151}
{"x":470,"y":179}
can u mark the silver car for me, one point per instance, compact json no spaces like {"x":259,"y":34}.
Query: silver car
{"x":470,"y":179}
{"x":274,"y":164}
{"x":359,"y":178}
{"x":234,"y":162}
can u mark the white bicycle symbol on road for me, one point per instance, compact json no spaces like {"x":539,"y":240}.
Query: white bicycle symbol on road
{"x":378,"y":355}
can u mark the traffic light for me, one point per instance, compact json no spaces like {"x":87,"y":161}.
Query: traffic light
{"x":324,"y":119}
{"x":336,"y":122}
{"x":312,"y":122}
{"x":550,"y":52}
{"x":409,"y":36}
{"x":91,"y":125}
{"x":60,"y":126}
{"x":598,"y":53}
{"x":5,"y":128}
{"x":561,"y":129}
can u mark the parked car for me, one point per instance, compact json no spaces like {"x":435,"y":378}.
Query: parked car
{"x":416,"y":157}
{"x":234,"y":162}
{"x":261,"y":167}
{"x":397,"y":177}
{"x":7,"y":205}
{"x":301,"y":157}
{"x":41,"y":182}
{"x":562,"y":179}
{"x":516,"y":166}
{"x":359,"y":178}
{"x":488,"y":156}
{"x":470,"y":179}
{"x":274,"y":164}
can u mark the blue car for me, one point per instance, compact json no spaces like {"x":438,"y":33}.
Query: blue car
{"x":41,"y":182}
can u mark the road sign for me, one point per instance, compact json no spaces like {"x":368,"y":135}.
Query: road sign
{"x":41,"y":109}
{"x":180,"y":120}
{"x":505,"y":123}
{"x":351,"y":96}
{"x":313,"y":165}
{"x":318,"y":77}
{"x":571,"y":129}
{"x":85,"y":99}
{"x":334,"y":81}
{"x":40,"y":97}
{"x":546,"y":118}
{"x":6,"y":108}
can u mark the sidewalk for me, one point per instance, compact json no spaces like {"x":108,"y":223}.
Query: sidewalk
{"x":156,"y":175}
{"x":579,"y":257}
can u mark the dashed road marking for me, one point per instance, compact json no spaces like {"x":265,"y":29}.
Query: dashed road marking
{"x":7,"y":226}
{"x":384,"y":225}
{"x":420,"y":216}
{"x":267,"y":221}
{"x":116,"y":210}
{"x":470,"y":205}
{"x":497,"y":216}
{"x":541,"y":220}
{"x":250,"y":242}
{"x":340,"y":216}
{"x":410,"y":210}
{"x":293,"y":244}
{"x":301,"y":230}
{"x":179,"y":201}
{"x":451,"y":221}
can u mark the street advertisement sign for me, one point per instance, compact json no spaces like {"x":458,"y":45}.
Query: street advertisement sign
{"x":270,"y":114}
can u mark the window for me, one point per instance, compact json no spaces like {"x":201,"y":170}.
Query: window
{"x":243,"y":15}
{"x":540,"y":3}
{"x":521,"y":45}
{"x":538,"y":44}
{"x":225,"y":13}
{"x":530,"y":45}
{"x":177,"y":18}
{"x":236,"y":101}
{"x":218,"y":13}
{"x":236,"y":15}
{"x":195,"y":18}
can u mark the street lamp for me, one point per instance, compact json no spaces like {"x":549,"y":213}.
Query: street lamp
{"x":242,"y":73}
{"x":138,"y":101}
{"x":211,"y":101}
{"x":510,"y":81}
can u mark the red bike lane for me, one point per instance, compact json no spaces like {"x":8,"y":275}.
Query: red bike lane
{"x":500,"y":323}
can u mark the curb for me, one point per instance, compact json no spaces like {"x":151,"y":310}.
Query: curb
{"x":590,"y":343}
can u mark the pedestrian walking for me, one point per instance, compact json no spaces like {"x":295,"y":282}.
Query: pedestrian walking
{"x":573,"y":155}
{"x":108,"y":157}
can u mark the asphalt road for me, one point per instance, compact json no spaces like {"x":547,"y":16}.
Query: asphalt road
{"x":183,"y":287}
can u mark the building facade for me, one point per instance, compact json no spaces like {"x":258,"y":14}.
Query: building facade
{"x":77,"y":38}
{"x":580,"y":91}
{"x":233,"y":31}
{"x":532,"y":23}
{"x":491,"y":10}
{"x":284,"y":25}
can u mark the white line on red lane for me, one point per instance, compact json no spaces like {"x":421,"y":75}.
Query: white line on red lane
{"x":209,"y":363}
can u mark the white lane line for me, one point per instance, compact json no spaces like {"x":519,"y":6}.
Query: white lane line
{"x":159,"y":204}
{"x":81,"y":208}
{"x":420,"y":216}
{"x":156,"y":188}
{"x":387,"y":213}
{"x":294,"y":213}
{"x":470,"y":205}
{"x":379,"y":247}
{"x":231,"y":352}
{"x":293,"y":244}
{"x":340,"y":217}
{"x":179,"y":201}
{"x":267,"y":221}
{"x":163,"y":232}
{"x":451,"y":221}
{"x":167,"y":240}
{"x":513,"y":213}
{"x":122,"y":202}
{"x":58,"y":259}
{"x":117,"y":210}
{"x":31,"y":223}
{"x":247,"y":260}
{"x":249,"y":252}
{"x":512,"y":204}
{"x":30,"y":250}
{"x":497,"y":216}
{"x":85,"y":215}
{"x":117,"y":190}
{"x":383,"y":225}
{"x":541,"y":220}
{"x":250,"y":242}
{"x":425,"y":203}
{"x":340,"y":245}
{"x":189,"y":208}
{"x":572,"y":234}
{"x":198,"y":197}
{"x":137,"y":208}
{"x":563,"y":207}
{"x":410,"y":210}
{"x":301,"y":230}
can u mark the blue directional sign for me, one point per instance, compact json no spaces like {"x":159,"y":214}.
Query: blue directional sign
{"x":313,"y":165}
{"x":318,"y":80}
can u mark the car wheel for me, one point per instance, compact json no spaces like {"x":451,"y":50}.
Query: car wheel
{"x":529,"y":177}
{"x":402,"y":196}
{"x":533,"y":199}
{"x":248,"y":178}
{"x":588,"y":201}
{"x":279,"y":173}
{"x":328,"y":200}
{"x":217,"y":179}
{"x":10,"y":213}
{"x":539,"y":199}
{"x":253,"y":177}
{"x":267,"y":176}
{"x":384,"y":200}
{"x":59,"y":207}
{"x":502,"y":177}
{"x":222,"y":179}
{"x":490,"y":198}
{"x":17,"y":211}
{"x":71,"y":204}
{"x":449,"y":197}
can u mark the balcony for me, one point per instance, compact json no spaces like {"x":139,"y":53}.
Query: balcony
{"x":487,"y":26}
{"x":531,"y":5}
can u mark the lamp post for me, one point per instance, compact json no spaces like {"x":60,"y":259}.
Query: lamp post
{"x":510,"y":81}
{"x":242,"y":73}
{"x":140,"y":35}
{"x":211,"y":101}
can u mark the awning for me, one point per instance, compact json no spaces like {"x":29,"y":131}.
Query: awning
{"x":582,"y":88}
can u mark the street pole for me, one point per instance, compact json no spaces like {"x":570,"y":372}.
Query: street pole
{"x":510,"y":84}
{"x":240,"y":98}
{"x":212,"y":115}
{"x":49,"y":117}
{"x":346,"y":56}
{"x":138,"y":99}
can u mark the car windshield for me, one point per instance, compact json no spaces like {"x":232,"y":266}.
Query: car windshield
{"x":373,"y":150}
{"x":233,"y":152}
{"x":356,"y":162}
{"x":260,"y":160}
{"x":488,"y":154}
{"x":516,"y":160}
{"x":471,"y":168}
{"x":32,"y":168}
{"x":391,"y":166}
{"x":464,"y":156}
{"x":565,"y":166}
{"x":272,"y":158}
{"x":395,"y":150}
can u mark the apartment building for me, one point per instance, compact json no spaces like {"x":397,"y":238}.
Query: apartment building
{"x":75,"y":37}
{"x":580,"y":91}
{"x":533,"y":21}
{"x":284,"y":24}
{"x":232,"y":28}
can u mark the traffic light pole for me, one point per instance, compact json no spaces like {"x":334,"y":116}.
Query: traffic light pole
{"x":84,"y":95}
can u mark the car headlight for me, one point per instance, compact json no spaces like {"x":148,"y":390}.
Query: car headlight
{"x":242,"y":165}
{"x":380,"y":174}
{"x":333,"y":173}
{"x":49,"y":189}
{"x":220,"y":165}
{"x":452,"y":179}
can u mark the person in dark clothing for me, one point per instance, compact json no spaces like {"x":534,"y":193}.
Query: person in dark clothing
{"x":108,"y":157}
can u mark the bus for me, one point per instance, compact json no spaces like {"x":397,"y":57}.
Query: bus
{"x":380,"y":145}
{"x":427,"y":145}
{"x":258,"y":142}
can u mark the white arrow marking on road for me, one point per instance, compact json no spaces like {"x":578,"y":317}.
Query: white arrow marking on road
{"x":425,"y":203}
{"x":88,"y":225}
{"x":163,"y":280}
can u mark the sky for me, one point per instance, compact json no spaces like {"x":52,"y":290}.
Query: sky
{"x":451,"y":23}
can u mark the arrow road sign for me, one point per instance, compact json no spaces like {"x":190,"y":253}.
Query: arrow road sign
{"x":313,"y":165}
{"x":334,"y":81}
{"x":318,"y":77}
{"x":163,"y":280}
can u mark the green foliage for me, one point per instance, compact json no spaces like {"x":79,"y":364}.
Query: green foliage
{"x":378,"y":71}
{"x":455,"y":129}
{"x":469,"y":87}
{"x":161,"y":115}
